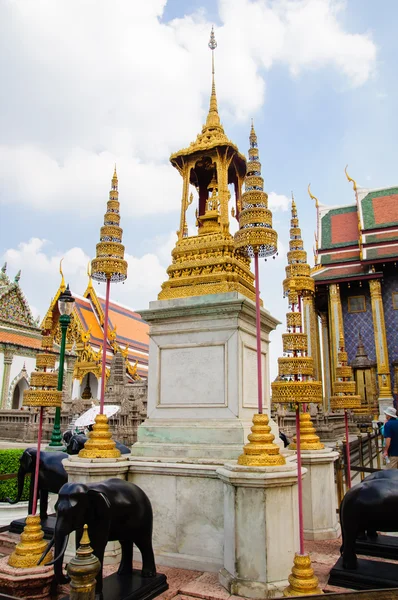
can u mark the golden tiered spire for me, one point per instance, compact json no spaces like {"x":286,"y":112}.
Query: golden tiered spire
{"x":109,"y":262}
{"x":207,"y":263}
{"x":255,"y":235}
{"x":344,"y":387}
{"x":295,"y":382}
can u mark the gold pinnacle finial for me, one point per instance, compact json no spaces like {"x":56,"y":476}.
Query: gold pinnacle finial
{"x":354,"y":183}
{"x":63,"y":284}
{"x":213,"y":119}
{"x":293,"y":202}
{"x":253,"y":135}
{"x":312,"y":196}
{"x":114,"y":178}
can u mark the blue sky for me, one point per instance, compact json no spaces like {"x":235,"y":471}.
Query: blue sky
{"x":130,"y":83}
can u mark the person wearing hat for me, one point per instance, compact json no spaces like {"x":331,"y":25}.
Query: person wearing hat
{"x":391,"y":437}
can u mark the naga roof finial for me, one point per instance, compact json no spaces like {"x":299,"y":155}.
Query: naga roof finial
{"x":354,"y":183}
{"x":312,"y":196}
{"x":4,"y":268}
{"x":63,"y":285}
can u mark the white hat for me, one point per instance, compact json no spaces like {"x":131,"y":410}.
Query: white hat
{"x":390,"y":411}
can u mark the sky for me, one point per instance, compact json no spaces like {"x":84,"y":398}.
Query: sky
{"x":89,"y":83}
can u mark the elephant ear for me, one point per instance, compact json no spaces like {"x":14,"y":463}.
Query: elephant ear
{"x":99,"y":501}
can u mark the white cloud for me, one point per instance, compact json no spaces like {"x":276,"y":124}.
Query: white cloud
{"x":86,"y":88}
{"x":278,"y":202}
{"x":39,"y":262}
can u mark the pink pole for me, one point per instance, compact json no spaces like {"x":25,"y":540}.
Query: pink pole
{"x":36,"y":481}
{"x":299,"y":481}
{"x":258,"y":336}
{"x":347,"y":447}
{"x":104,"y":346}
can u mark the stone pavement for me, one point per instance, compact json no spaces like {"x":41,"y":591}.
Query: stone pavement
{"x":191,"y":585}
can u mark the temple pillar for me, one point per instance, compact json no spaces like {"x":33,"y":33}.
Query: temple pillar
{"x":379,"y":330}
{"x":8,"y":356}
{"x":327,"y":387}
{"x":312,"y":330}
{"x":336,"y":328}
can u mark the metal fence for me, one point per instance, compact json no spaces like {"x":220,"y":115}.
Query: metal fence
{"x":366,"y":457}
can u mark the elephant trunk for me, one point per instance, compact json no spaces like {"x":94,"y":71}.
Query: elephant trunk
{"x":61,"y":543}
{"x":21,"y":481}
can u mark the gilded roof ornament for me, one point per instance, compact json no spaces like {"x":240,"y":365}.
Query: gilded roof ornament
{"x":354,"y":183}
{"x":312,"y":196}
{"x":212,"y":133}
{"x":62,"y":286}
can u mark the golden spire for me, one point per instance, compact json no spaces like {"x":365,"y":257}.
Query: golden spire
{"x":354,"y":183}
{"x":255,"y":233}
{"x":62,"y":286}
{"x":312,"y":196}
{"x":213,"y":118}
{"x":109,"y":262}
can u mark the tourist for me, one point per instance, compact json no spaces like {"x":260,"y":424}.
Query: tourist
{"x":390,"y":451}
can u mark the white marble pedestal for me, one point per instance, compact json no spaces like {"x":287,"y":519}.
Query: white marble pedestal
{"x":84,"y":470}
{"x":260,"y":529}
{"x":319,"y":495}
{"x":202,"y":388}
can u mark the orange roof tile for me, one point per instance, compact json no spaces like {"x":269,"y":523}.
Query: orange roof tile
{"x":10,"y":337}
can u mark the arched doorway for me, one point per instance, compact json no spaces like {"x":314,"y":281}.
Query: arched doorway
{"x":89,"y":387}
{"x":17,"y":396}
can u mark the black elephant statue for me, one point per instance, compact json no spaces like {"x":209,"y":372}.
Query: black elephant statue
{"x":52,"y":476}
{"x":369,"y":506}
{"x":76,"y":443}
{"x":113,"y":510}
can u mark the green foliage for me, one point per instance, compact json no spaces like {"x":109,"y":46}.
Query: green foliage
{"x":9,"y":463}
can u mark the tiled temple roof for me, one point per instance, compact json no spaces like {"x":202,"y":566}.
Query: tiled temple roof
{"x":353,"y":237}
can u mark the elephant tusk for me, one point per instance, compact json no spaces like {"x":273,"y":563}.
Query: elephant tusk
{"x":47,"y":550}
{"x":60,"y":555}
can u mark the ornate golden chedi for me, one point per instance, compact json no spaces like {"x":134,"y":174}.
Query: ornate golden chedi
{"x":256,"y":238}
{"x":109,"y":262}
{"x":344,"y":387}
{"x":295,"y":383}
{"x":32,"y":545}
{"x":207,"y":263}
{"x":110,"y":266}
{"x":43,"y":384}
{"x":255,"y":235}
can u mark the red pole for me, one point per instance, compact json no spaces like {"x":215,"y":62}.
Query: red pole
{"x":258,"y":336}
{"x":299,"y":481}
{"x":104,"y":346}
{"x":36,"y":481}
{"x":347,"y":448}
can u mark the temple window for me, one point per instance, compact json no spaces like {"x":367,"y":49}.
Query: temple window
{"x":356,"y":304}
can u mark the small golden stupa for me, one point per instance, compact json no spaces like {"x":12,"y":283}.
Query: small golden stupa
{"x":344,"y":387}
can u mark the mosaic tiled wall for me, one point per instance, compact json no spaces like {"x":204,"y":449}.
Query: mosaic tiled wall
{"x":390,"y":285}
{"x":355,"y":321}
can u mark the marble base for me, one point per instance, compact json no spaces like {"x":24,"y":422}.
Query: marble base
{"x":29,"y":584}
{"x":188,"y":504}
{"x":92,"y":470}
{"x":260,"y":528}
{"x":202,"y":388}
{"x":319,"y":495}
